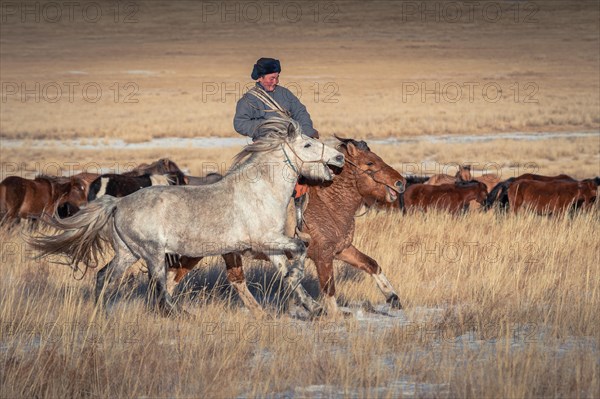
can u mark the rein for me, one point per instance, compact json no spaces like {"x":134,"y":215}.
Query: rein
{"x":268,"y":101}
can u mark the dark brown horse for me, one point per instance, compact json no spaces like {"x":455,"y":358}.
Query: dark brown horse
{"x":161,"y":167}
{"x":29,"y":199}
{"x":500,"y":192}
{"x":117,"y":185}
{"x":329,"y":220}
{"x":450,"y":197}
{"x":552,"y":197}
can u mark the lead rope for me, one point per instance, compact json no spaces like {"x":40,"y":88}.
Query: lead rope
{"x":269,"y":101}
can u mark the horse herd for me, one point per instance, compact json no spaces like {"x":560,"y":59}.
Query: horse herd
{"x":193,"y":217}
{"x":544,"y":195}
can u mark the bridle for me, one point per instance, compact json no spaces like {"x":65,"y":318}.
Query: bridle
{"x":291,"y":164}
{"x":372,"y":174}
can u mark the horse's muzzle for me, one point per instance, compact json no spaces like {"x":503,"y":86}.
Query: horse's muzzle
{"x":337,"y":161}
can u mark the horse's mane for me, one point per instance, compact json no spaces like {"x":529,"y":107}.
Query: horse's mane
{"x":413,"y":179}
{"x":361,"y":145}
{"x":53,"y":179}
{"x":271,"y":134}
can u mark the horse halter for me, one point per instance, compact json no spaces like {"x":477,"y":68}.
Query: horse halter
{"x":372,"y":176}
{"x":289,"y":162}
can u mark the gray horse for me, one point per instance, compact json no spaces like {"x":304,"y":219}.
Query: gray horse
{"x":244,"y":212}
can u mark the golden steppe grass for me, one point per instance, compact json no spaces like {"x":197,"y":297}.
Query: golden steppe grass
{"x":354,"y":65}
{"x":495,"y":305}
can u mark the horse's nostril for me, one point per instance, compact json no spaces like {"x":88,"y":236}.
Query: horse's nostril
{"x":399,"y":184}
{"x":339,"y":158}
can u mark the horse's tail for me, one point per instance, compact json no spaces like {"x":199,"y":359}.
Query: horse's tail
{"x":83,"y":236}
{"x":499,"y":192}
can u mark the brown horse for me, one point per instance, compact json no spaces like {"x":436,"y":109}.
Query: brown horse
{"x":500,"y":191}
{"x":463,"y":174}
{"x":329,"y":220}
{"x":552,"y":197}
{"x":451,"y":197}
{"x":489,"y":179}
{"x":29,"y":199}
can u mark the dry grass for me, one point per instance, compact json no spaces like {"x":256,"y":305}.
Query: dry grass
{"x":353,"y":74}
{"x":492,"y":310}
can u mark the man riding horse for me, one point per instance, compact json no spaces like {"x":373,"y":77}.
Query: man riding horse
{"x":265,"y":100}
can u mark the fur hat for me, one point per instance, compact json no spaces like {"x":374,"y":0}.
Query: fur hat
{"x":265,"y":66}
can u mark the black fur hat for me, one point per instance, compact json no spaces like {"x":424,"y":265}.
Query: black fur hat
{"x":265,"y":66}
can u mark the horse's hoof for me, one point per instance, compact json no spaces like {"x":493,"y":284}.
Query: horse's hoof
{"x":173,"y":312}
{"x":317,"y":313}
{"x":394,"y":302}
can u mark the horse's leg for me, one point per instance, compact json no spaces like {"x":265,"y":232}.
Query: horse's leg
{"x":236,"y":277}
{"x":157,"y":273}
{"x":175,"y":274}
{"x":293,"y":274}
{"x":354,"y":257}
{"x":114,"y":270}
{"x":327,"y":284}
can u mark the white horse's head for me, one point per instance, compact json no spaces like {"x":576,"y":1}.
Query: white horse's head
{"x":306,"y":156}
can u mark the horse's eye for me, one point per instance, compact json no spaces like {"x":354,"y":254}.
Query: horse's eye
{"x":370,"y":163}
{"x":307,"y":145}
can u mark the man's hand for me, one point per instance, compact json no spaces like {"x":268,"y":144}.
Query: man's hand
{"x":316,"y":135}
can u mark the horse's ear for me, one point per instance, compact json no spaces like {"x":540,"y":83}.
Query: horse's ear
{"x":352,"y":151}
{"x":343,"y":140}
{"x":291,"y":130}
